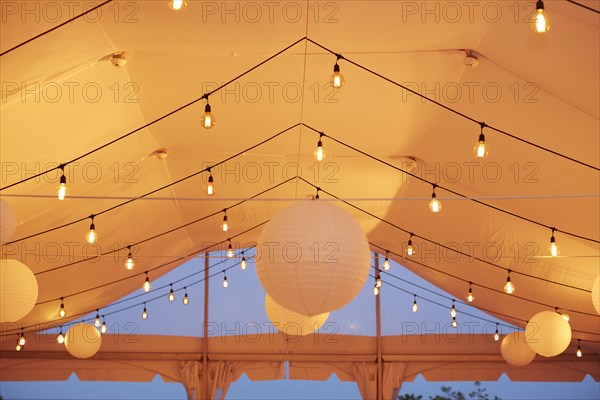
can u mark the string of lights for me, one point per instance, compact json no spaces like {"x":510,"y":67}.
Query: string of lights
{"x":129,"y":263}
{"x":454,"y":192}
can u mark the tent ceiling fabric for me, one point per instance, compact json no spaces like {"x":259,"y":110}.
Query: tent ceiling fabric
{"x":61,"y":97}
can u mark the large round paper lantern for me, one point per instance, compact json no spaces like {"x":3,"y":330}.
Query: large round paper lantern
{"x":596,"y":294}
{"x":18,"y":290}
{"x":83,"y":340}
{"x":291,"y":322}
{"x":515,"y":350}
{"x":312,"y":257}
{"x":548,"y":334}
{"x":8,"y":222}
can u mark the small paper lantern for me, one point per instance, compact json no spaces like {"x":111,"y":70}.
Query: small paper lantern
{"x":8,"y":222}
{"x":313,"y":257}
{"x":83,"y":340}
{"x":18,"y":290}
{"x":548,"y":334}
{"x":515,"y":350}
{"x":596,"y":294}
{"x":291,"y":322}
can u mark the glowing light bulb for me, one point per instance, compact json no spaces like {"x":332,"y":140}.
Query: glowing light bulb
{"x":22,"y":340}
{"x":186,"y":299}
{"x":171,"y":295}
{"x":230,"y":251}
{"x":103,"y":328}
{"x":129,"y":263}
{"x":97,"y":320}
{"x":337,"y":79}
{"x":145,"y":313}
{"x":208,"y":120}
{"x":243,"y":263}
{"x":225,"y":282}
{"x":60,"y":339}
{"x":435,"y":205}
{"x":386,"y":264}
{"x":540,"y":22}
{"x":481,"y":150}
{"x":177,"y":5}
{"x":509,"y":288}
{"x":410,"y":250}
{"x":18,"y":347}
{"x":454,"y":323}
{"x":147,"y":285}
{"x":376,"y":290}
{"x":92,"y":236}
{"x":553,"y":247}
{"x":61,"y":311}
{"x":579,"y":353}
{"x":378,"y":282}
{"x":415,"y":306}
{"x":319,"y":152}
{"x":470,"y":296}
{"x":453,"y":311}
{"x":62,"y":187}
{"x":496,"y":334}
{"x":566,"y":317}
{"x":225,"y":224}
{"x":210,"y":189}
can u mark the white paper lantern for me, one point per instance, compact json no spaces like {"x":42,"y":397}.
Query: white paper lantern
{"x":515,"y":350}
{"x":18,"y":290}
{"x":83,"y":340}
{"x":312,"y":257}
{"x":548,"y":334}
{"x":596,"y":294}
{"x":8,"y":222}
{"x":291,"y":322}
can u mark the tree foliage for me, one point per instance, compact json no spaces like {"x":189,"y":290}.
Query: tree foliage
{"x":479,"y":393}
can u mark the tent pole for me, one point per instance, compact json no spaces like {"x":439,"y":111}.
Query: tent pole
{"x":378,"y":319}
{"x":205,"y":391}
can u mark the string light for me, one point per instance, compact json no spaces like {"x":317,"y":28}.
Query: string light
{"x":186,"y":299}
{"x":210,"y":189}
{"x":103,"y":328}
{"x":565,"y":316}
{"x":337,"y":79}
{"x":509,"y":287}
{"x":409,"y":248}
{"x":22,"y":341}
{"x":540,"y":22}
{"x":579,"y":353}
{"x":454,"y":323}
{"x":147,"y":285}
{"x":225,"y":224}
{"x":378,"y":281}
{"x":97,"y":320}
{"x":481,"y":150}
{"x":171,"y":294}
{"x":145,"y":312}
{"x":497,"y":333}
{"x":376,"y":290}
{"x":129,"y":263}
{"x":208,"y":121}
{"x":470,"y":296}
{"x":60,"y":339}
{"x":18,"y":346}
{"x":243,"y":263}
{"x":62,"y":187}
{"x":415,"y":306}
{"x":92,"y":236}
{"x":453,"y":310}
{"x":61,"y":311}
{"x":434,"y":205}
{"x":553,"y":247}
{"x":386,"y":263}
{"x":319,"y":152}
{"x":177,"y":5}
{"x":225,"y":282}
{"x":229,"y":249}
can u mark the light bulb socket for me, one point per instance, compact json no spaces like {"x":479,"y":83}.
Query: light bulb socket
{"x":63,"y":180}
{"x":481,"y":138}
{"x":539,"y":5}
{"x":207,"y":108}
{"x":552,"y":240}
{"x":319,"y":143}
{"x":336,"y":67}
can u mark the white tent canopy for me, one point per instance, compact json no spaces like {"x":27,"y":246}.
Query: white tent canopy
{"x":62,"y":98}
